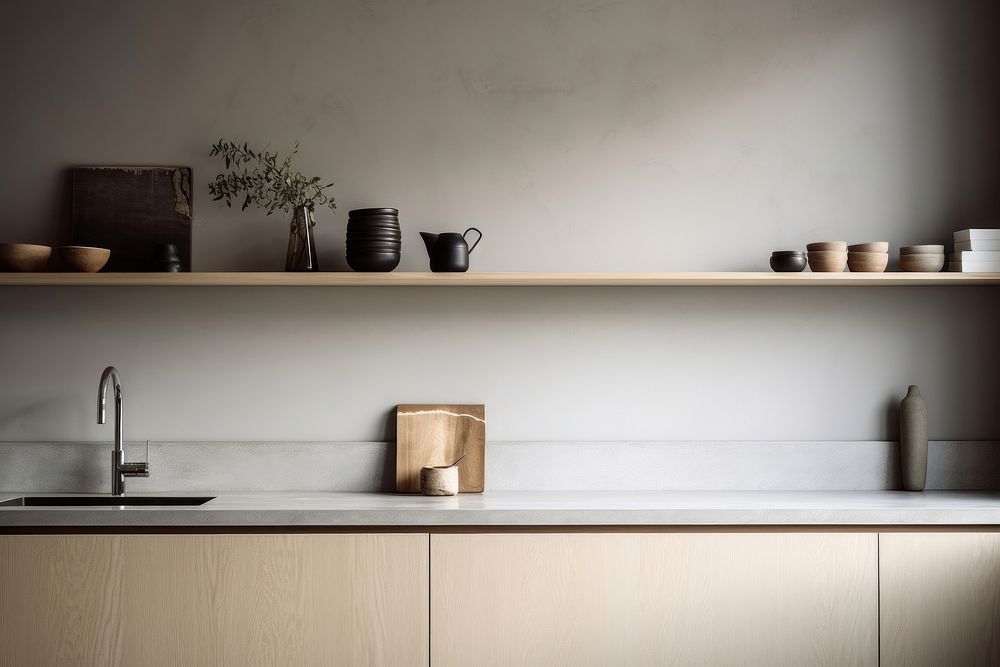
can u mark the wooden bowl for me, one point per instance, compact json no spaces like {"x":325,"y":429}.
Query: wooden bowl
{"x":867,"y":262}
{"x":922,"y":250}
{"x":83,"y":258}
{"x":921,"y":262}
{"x":873,"y":246}
{"x":827,"y":246}
{"x":827,"y":261}
{"x":24,"y":257}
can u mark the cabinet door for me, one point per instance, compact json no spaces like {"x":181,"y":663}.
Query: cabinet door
{"x":654,"y":598}
{"x":940,"y":598}
{"x":213,"y":600}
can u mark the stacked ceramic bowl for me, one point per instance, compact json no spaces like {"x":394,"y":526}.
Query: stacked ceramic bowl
{"x":827,"y":256}
{"x":788,"y":261}
{"x":373,"y":239}
{"x":24,"y":257}
{"x":868,"y":257}
{"x":921,"y":258}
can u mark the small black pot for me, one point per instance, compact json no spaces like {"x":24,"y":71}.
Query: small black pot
{"x":788,"y":261}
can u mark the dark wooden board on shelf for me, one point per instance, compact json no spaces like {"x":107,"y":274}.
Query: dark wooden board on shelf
{"x":133,"y":211}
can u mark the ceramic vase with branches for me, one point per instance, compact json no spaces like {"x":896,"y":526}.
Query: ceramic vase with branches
{"x":267,"y":181}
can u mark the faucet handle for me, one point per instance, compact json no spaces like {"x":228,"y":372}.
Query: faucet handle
{"x":134,"y":469}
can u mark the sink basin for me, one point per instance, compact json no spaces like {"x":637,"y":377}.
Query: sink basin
{"x":105,"y":501}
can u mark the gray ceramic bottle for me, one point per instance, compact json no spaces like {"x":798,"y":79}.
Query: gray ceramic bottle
{"x":913,"y":439}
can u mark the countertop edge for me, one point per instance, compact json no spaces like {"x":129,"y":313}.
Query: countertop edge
{"x":581,"y":509}
{"x":446,"y":519}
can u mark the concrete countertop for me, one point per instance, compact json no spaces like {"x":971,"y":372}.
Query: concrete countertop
{"x":545,"y":508}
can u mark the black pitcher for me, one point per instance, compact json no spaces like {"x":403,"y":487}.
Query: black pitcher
{"x":449,"y":252}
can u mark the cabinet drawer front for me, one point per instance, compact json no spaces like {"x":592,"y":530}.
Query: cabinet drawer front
{"x":213,"y":599}
{"x":940,"y":598}
{"x":654,"y":598}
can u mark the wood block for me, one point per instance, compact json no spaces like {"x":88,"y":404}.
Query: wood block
{"x":133,"y":211}
{"x":433,"y":435}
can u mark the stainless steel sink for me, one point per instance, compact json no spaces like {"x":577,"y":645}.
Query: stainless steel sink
{"x":105,"y":501}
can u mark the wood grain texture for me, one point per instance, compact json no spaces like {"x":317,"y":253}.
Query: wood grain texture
{"x":645,"y":599}
{"x":438,"y":434}
{"x":940,"y":598}
{"x":511,"y":279}
{"x":214,"y":600}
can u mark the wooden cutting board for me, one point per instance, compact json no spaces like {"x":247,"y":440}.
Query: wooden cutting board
{"x":437,"y":435}
{"x":133,"y":211}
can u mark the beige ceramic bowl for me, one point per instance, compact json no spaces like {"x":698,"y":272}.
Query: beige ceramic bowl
{"x":873,"y":246}
{"x":867,"y":262}
{"x":24,"y":257}
{"x":921,"y":262}
{"x":827,"y":261}
{"x":827,"y":246}
{"x":83,"y":258}
{"x":922,"y":250}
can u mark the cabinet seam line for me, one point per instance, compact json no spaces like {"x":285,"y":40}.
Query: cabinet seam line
{"x":878,"y":598}
{"x":429,"y":588}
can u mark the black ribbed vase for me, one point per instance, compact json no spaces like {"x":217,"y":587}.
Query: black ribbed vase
{"x":374,"y":240}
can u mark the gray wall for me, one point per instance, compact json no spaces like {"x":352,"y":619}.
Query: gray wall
{"x":596,"y":136}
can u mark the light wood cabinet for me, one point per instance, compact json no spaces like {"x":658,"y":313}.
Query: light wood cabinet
{"x":601,"y":598}
{"x":654,"y":598}
{"x":940,"y":598}
{"x":214,"y":599}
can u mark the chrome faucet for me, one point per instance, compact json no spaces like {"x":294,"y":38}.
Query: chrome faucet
{"x":119,"y":468}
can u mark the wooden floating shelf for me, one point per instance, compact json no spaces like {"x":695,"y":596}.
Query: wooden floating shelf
{"x":513,"y":279}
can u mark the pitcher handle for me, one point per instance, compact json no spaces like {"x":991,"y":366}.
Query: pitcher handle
{"x":473,"y":229}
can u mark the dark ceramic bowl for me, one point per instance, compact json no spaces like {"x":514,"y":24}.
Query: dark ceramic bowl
{"x":372,"y":223}
{"x":361,"y":254}
{"x":372,"y":236}
{"x":363,"y":212}
{"x":368,"y":253}
{"x":378,"y":241}
{"x":366,"y":249}
{"x":788,"y":262}
{"x":374,"y":218}
{"x":351,"y":241}
{"x":372,"y":233}
{"x":362,"y":227}
{"x":383,"y":261}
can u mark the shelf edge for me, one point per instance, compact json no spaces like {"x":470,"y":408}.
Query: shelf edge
{"x":489,"y":279}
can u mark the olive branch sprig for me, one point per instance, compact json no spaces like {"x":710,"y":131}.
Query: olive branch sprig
{"x":265,"y":181}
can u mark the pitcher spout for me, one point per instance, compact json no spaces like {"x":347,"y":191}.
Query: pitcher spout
{"x":430,"y":240}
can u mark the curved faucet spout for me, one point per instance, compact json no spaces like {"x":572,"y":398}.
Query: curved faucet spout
{"x":119,"y":468}
{"x":110,"y":373}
